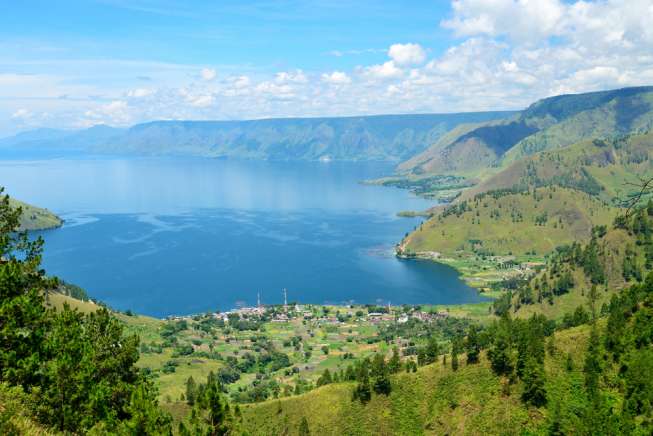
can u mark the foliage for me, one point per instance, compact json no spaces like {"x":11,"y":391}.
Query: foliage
{"x":77,"y":369}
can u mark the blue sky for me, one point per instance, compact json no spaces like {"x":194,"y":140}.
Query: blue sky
{"x":73,"y":64}
{"x":266,"y":35}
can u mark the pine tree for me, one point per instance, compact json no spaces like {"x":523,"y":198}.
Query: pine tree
{"x":382,"y":384}
{"x":145,"y":416}
{"x":394,"y":364}
{"x":432,"y":350}
{"x":362,"y":391}
{"x":500,"y":353}
{"x":533,"y":377}
{"x":303,"y":427}
{"x":592,"y":367}
{"x":218,"y":409}
{"x":472,"y":345}
{"x":325,"y":378}
{"x":455,"y":350}
{"x":191,"y":391}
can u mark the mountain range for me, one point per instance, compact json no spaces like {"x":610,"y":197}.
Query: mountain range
{"x":384,"y":137}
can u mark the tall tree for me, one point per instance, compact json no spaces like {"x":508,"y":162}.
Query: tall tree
{"x":455,"y":351}
{"x":303,"y":427}
{"x":394,"y":364}
{"x":533,"y":377}
{"x":500,"y":353}
{"x":191,"y":391}
{"x":472,"y":345}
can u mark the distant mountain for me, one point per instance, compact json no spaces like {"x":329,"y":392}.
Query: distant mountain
{"x":383,"y":137}
{"x":547,"y":124}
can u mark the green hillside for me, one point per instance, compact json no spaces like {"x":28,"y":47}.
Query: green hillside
{"x":36,"y":218}
{"x":547,"y":124}
{"x":531,"y":377}
{"x":600,"y":167}
{"x":423,"y":163}
{"x":615,"y":257}
{"x":434,"y":400}
{"x":595,"y":115}
{"x":508,"y":223}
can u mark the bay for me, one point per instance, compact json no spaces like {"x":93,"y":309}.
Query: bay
{"x":164,"y":236}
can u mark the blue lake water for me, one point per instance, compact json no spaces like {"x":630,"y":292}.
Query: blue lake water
{"x":179,"y":236}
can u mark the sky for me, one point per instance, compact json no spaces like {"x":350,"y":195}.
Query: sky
{"x":72,"y":64}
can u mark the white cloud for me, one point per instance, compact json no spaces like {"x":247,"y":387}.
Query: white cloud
{"x":208,"y":74}
{"x":336,"y":78}
{"x":116,"y":112}
{"x":508,"y":54}
{"x":407,"y":54}
{"x":275,"y":90}
{"x":296,"y":76}
{"x":615,"y":23}
{"x":21,"y":114}
{"x":387,"y":70}
{"x":139,"y":92}
{"x":521,"y":19}
{"x":202,"y":100}
{"x":241,"y":82}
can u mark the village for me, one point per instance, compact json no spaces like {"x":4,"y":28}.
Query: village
{"x":324,"y":314}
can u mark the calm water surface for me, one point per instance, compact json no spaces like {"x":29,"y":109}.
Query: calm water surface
{"x":179,"y":236}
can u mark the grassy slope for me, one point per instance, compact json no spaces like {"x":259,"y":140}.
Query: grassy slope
{"x":57,"y":301}
{"x":432,"y":157}
{"x":35,"y":218}
{"x":472,"y":153}
{"x":612,"y":250}
{"x":435,"y":400}
{"x":547,"y":124}
{"x":571,"y":215}
{"x":611,"y":164}
{"x":619,"y":115}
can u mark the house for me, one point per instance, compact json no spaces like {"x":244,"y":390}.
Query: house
{"x":282,"y":317}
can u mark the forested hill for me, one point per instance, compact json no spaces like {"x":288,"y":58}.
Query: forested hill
{"x":603,"y":167}
{"x":547,"y":124}
{"x":615,"y":256}
{"x":383,"y":137}
{"x":512,"y":377}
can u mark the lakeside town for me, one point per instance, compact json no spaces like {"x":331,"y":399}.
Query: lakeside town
{"x":323,"y":314}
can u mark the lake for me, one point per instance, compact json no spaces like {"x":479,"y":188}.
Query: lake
{"x":164,"y":236}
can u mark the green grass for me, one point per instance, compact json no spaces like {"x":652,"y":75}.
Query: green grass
{"x":479,"y":151}
{"x":605,"y":119}
{"x":13,"y":418}
{"x":570,"y":217}
{"x":35,"y":218}
{"x":612,"y":249}
{"x":603,"y":168}
{"x":434,"y":401}
{"x":57,"y":301}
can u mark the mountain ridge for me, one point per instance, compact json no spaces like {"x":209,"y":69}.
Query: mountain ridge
{"x":376,"y":137}
{"x":548,"y":123}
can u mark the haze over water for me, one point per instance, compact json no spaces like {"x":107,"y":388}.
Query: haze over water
{"x":178,"y":236}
